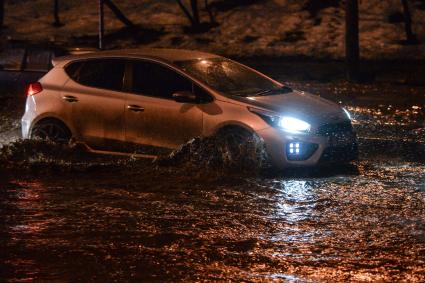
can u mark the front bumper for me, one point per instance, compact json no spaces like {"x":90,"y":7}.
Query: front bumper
{"x":339,"y":154}
{"x":341,"y":148}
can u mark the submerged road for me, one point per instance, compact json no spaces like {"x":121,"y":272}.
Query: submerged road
{"x":364,"y":222}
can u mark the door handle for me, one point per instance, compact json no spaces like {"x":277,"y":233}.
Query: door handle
{"x":135,"y":108}
{"x":69,"y":98}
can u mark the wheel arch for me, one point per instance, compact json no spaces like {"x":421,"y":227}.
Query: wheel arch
{"x":50,"y":118}
{"x":233,"y":125}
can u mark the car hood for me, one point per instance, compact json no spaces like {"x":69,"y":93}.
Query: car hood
{"x":310,"y":108}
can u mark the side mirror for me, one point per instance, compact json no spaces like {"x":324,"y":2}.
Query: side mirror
{"x":185,"y":97}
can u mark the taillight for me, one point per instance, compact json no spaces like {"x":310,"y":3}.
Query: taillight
{"x":34,"y":88}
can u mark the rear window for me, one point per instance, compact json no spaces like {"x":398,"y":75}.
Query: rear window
{"x":99,"y":73}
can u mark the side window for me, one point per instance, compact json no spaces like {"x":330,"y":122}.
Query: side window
{"x":156,"y":80}
{"x":202,"y":94}
{"x":99,"y":73}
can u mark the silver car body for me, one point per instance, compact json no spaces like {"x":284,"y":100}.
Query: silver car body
{"x":99,"y":117}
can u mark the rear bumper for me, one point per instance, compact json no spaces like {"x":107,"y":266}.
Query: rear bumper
{"x":26,"y":121}
{"x":25,"y":129}
{"x":27,"y":118}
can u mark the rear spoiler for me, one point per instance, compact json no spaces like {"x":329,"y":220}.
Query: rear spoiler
{"x":58,"y":60}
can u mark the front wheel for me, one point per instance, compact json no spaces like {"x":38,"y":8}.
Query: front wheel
{"x":51,"y":130}
{"x":241,"y":150}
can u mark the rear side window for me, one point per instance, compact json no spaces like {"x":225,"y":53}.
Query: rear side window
{"x":156,"y":80}
{"x":99,"y":73}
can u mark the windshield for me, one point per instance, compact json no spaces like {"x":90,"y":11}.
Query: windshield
{"x":229,"y":77}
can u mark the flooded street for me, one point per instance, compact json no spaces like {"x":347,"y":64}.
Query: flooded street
{"x":133,"y":221}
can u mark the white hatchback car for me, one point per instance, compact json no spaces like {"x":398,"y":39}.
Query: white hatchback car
{"x":158,"y":99}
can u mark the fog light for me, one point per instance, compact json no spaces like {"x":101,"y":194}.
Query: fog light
{"x":300,"y":150}
{"x":294,"y":148}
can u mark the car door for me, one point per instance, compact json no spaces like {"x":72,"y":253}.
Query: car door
{"x":152,"y":116}
{"x":95,"y":101}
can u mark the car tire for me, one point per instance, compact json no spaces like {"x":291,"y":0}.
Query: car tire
{"x":51,"y":130}
{"x":241,"y":150}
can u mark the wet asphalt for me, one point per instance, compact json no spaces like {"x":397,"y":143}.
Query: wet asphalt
{"x":117,"y":221}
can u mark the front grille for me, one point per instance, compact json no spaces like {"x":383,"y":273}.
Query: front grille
{"x":342,"y":142}
{"x":335,"y":128}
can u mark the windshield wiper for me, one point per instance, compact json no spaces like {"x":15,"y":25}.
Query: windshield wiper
{"x":239,"y":94}
{"x":281,"y":90}
{"x":263,"y":92}
{"x":286,"y":89}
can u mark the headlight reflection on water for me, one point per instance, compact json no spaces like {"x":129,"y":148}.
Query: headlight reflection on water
{"x":295,"y":205}
{"x":295,"y":202}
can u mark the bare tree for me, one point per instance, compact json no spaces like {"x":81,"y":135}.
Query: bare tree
{"x":192,"y":11}
{"x":101,"y":24}
{"x":210,"y":12}
{"x":120,"y":15}
{"x":117,"y":12}
{"x":410,"y":36}
{"x":352,"y":47}
{"x":192,"y":15}
{"x":1,"y":13}
{"x":56,"y":22}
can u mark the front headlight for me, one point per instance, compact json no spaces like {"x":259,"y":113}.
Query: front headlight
{"x":286,"y":123}
{"x":293,"y":125}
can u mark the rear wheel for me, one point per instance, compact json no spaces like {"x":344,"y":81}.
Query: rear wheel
{"x":240,"y":149}
{"x":51,"y":130}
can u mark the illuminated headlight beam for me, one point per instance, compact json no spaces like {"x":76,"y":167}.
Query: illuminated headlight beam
{"x":293,"y":125}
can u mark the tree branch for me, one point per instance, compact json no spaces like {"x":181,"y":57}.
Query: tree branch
{"x":195,"y":12}
{"x":210,"y":13}
{"x":186,"y":12}
{"x":118,"y":13}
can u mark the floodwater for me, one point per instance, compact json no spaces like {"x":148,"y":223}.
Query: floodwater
{"x":67,"y":219}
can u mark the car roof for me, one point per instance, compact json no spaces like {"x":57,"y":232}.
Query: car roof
{"x":164,"y":54}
